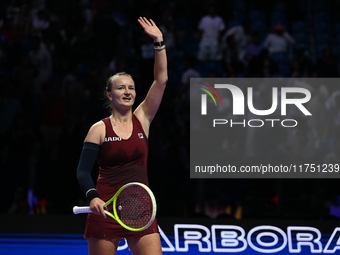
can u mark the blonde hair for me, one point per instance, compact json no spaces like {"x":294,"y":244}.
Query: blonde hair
{"x":114,"y":77}
{"x":108,"y":88}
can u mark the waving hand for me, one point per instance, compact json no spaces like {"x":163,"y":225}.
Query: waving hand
{"x":150,"y":28}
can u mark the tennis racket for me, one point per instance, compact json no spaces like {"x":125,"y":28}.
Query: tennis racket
{"x":134,"y":207}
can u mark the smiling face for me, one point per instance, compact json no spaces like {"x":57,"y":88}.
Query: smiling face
{"x":122,"y":92}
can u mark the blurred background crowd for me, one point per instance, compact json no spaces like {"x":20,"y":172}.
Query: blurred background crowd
{"x":55,"y":58}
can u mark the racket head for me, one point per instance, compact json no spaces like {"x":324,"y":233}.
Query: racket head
{"x":134,"y":206}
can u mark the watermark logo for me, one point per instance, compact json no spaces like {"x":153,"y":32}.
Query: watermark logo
{"x":281,"y":98}
{"x":238,"y":99}
{"x":204,"y":97}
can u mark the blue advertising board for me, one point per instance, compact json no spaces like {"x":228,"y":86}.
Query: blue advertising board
{"x":193,"y":236}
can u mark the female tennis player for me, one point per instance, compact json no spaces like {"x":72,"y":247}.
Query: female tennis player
{"x":120,"y":145}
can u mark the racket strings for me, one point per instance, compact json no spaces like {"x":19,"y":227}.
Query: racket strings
{"x":134,"y":207}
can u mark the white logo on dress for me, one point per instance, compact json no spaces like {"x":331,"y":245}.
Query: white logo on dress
{"x":112,"y":139}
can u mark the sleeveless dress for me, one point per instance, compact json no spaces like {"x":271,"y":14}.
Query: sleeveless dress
{"x":120,"y":161}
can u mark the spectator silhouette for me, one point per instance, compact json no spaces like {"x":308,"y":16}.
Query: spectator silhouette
{"x":211,"y":27}
{"x":241,"y":37}
{"x":253,"y":53}
{"x":279,"y":40}
{"x":42,"y":59}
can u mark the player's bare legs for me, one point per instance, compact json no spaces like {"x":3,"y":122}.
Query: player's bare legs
{"x":102,"y":247}
{"x":145,"y":245}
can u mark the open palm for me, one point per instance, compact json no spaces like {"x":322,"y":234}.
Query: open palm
{"x":150,"y":27}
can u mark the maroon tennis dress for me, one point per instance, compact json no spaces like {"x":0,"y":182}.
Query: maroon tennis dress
{"x":120,"y":161}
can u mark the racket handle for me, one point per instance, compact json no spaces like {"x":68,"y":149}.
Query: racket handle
{"x":81,"y":209}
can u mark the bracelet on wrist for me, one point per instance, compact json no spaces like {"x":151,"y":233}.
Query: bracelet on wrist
{"x":161,"y":48}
